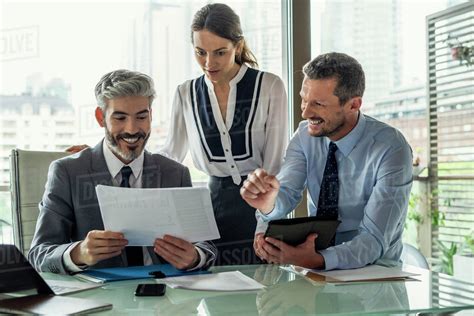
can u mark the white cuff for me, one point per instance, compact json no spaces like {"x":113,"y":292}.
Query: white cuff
{"x":261,"y":226}
{"x":265,"y":215}
{"x":202,"y":259}
{"x":67,"y":260}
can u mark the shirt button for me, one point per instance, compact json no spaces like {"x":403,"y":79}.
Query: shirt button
{"x":223,"y":133}
{"x":232,"y":166}
{"x":227,"y":150}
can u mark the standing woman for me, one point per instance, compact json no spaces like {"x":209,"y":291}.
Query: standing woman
{"x":233,"y":119}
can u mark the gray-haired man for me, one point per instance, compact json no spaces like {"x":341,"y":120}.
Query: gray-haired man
{"x":70,"y":234}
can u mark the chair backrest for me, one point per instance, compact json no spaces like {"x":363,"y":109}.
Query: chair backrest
{"x":412,"y":256}
{"x":28,"y":175}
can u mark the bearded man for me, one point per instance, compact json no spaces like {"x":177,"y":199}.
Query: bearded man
{"x":70,"y":235}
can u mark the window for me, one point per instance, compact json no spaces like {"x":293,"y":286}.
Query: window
{"x":53,"y":54}
{"x":389,"y":39}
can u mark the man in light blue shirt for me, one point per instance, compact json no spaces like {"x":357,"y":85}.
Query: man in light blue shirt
{"x":373,"y":174}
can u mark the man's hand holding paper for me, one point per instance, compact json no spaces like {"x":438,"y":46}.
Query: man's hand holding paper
{"x":180,"y":253}
{"x":97,"y":246}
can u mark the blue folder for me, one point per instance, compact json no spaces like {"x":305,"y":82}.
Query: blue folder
{"x":131,"y":273}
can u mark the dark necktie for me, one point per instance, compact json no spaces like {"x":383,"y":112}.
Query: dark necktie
{"x":134,"y":253}
{"x":329,"y":194}
{"x":126,"y":171}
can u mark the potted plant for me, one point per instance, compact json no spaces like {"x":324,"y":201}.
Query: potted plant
{"x":447,"y":259}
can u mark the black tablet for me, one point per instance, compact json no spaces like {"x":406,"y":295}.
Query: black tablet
{"x":295,"y":230}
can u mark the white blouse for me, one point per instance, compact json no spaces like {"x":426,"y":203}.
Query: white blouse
{"x":253,"y":135}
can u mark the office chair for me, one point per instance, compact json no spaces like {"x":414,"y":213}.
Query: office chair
{"x":412,"y":256}
{"x":28,"y":174}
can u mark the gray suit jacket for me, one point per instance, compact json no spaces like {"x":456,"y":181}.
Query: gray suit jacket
{"x":69,"y":208}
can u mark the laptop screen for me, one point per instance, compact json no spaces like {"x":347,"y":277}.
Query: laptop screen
{"x":17,"y":274}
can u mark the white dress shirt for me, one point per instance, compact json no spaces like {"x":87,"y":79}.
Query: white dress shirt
{"x":253,"y":135}
{"x":374,"y":163}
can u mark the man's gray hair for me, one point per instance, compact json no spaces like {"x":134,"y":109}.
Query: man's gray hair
{"x":344,"y":68}
{"x":123,"y":83}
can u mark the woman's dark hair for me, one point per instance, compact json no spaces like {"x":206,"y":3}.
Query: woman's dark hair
{"x":220,"y":19}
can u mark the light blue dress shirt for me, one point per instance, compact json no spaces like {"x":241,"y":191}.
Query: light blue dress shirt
{"x":375,"y":177}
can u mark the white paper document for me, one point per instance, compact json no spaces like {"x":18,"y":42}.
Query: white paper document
{"x":371,"y":272}
{"x":223,"y":281}
{"x":61,"y":287}
{"x":145,"y":214}
{"x":365,"y":274}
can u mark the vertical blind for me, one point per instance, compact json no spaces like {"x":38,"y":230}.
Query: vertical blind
{"x":451,"y":122}
{"x":450,"y":92}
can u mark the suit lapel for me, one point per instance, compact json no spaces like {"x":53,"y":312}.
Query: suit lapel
{"x":99,"y":171}
{"x":151,"y":177}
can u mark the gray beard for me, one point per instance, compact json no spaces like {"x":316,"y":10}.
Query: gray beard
{"x":114,"y":147}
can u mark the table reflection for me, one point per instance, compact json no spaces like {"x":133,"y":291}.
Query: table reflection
{"x":300,"y":296}
{"x":288,"y":294}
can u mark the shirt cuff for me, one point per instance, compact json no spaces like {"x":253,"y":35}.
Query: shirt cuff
{"x":265,"y":217}
{"x":67,"y":260}
{"x":202,"y":260}
{"x":261,"y":226}
{"x":330,"y":258}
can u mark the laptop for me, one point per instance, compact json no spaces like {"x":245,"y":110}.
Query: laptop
{"x":17,"y":275}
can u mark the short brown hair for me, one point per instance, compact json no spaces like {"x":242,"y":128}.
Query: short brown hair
{"x":345,"y":69}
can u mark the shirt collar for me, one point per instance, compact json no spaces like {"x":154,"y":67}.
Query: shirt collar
{"x":240,"y":74}
{"x":348,"y":142}
{"x":115,"y":165}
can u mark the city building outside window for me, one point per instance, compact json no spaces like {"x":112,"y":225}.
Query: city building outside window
{"x":53,"y":53}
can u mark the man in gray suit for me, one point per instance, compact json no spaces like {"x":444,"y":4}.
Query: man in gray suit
{"x":70,"y":234}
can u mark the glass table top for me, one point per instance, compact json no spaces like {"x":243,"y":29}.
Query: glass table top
{"x":287,"y":293}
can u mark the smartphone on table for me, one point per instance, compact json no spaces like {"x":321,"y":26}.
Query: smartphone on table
{"x":150,"y":289}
